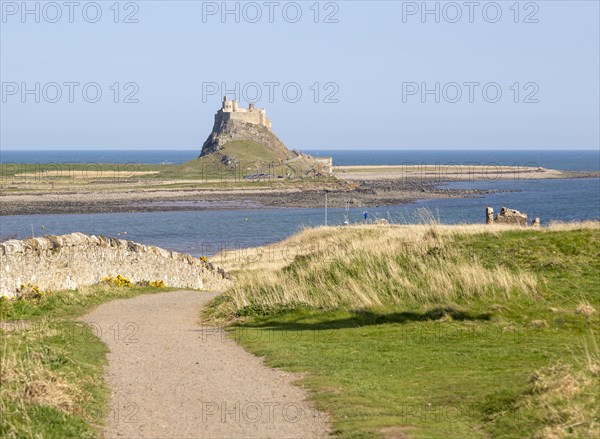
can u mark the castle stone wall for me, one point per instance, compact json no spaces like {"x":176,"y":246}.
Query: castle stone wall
{"x":230,"y":110}
{"x":254,"y":117}
{"x":69,"y":261}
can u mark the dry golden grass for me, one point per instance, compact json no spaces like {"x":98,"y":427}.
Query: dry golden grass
{"x":585,"y":309}
{"x":334,"y":239}
{"x":557,"y":226}
{"x":25,"y":373}
{"x":567,"y":397}
{"x":364,"y":265}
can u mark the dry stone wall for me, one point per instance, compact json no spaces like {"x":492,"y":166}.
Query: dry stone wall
{"x":69,"y":261}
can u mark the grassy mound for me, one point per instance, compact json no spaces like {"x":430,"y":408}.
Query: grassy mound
{"x":365,"y":266}
{"x":242,"y":159}
{"x":430,"y":331}
{"x":245,"y":151}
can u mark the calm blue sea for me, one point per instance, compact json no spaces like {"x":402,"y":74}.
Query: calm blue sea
{"x":206,"y":232}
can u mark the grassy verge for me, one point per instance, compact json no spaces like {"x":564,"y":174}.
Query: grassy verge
{"x":421,"y":331}
{"x":52,"y":366}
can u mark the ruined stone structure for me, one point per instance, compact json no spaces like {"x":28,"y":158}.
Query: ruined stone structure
{"x":489,"y":215}
{"x":235,"y":123}
{"x":508,"y":216}
{"x":324,"y":164}
{"x":69,"y":261}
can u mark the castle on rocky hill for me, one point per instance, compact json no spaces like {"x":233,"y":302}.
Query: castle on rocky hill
{"x":247,"y":124}
{"x":230,"y":110}
{"x":250,"y":125}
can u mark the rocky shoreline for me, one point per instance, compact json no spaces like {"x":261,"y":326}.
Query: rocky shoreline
{"x":369,"y":193}
{"x":361,"y":186}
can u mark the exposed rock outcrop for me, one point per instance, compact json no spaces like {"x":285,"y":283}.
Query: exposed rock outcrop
{"x":225,"y":131}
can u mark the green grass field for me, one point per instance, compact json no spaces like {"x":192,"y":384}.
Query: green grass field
{"x":507,"y":349}
{"x":399,"y":332}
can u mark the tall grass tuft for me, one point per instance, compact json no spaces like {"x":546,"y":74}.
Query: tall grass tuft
{"x":366,"y":266}
{"x":562,"y":398}
{"x":30,"y":376}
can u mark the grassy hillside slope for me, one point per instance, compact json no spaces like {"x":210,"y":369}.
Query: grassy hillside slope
{"x":430,"y":331}
{"x":239,"y":159}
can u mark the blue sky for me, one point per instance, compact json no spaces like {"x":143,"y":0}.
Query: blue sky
{"x":370,"y":62}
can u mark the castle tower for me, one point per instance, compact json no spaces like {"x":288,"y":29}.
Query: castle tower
{"x":227,"y":105}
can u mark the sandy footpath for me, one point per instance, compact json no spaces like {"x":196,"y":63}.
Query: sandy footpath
{"x":170,"y":377}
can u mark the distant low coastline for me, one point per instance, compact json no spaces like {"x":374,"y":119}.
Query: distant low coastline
{"x":62,"y":189}
{"x":571,"y":159}
{"x":468,"y":172}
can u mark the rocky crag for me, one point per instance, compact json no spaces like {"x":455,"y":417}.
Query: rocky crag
{"x":227,"y":131}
